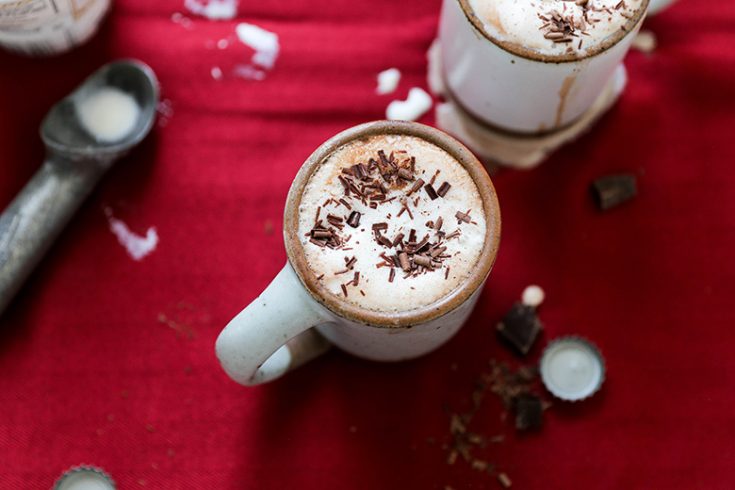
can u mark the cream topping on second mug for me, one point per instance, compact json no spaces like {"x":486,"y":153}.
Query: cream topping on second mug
{"x":376,"y":235}
{"x":555,"y":27}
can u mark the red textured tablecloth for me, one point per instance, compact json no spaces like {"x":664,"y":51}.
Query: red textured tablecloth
{"x":109,"y":361}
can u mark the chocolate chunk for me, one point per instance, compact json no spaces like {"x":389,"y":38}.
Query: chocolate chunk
{"x":354,"y":219}
{"x":443,"y":189}
{"x":520,"y":327}
{"x":529,"y":411}
{"x":430,"y":191}
{"x":612,"y":190}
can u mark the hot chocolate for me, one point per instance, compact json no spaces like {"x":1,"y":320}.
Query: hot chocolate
{"x":391,"y":223}
{"x":555,"y":27}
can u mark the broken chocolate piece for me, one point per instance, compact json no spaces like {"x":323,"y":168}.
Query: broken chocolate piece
{"x":354,"y":219}
{"x":430,"y":191}
{"x":520,"y":327}
{"x":612,"y":190}
{"x":529,"y":411}
{"x":443,"y":189}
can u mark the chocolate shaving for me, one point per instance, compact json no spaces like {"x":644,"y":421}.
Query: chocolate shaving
{"x":423,"y":261}
{"x":463,"y":217}
{"x":443,"y":189}
{"x":405,"y":174}
{"x":345,"y":186}
{"x":392,"y":274}
{"x":405,"y":263}
{"x":416,"y":186}
{"x":384,"y":241}
{"x":354,"y":219}
{"x":430,"y":191}
{"x":433,"y":177}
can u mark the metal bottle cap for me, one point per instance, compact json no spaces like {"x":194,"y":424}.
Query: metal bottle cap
{"x":572,"y":368}
{"x":84,"y":478}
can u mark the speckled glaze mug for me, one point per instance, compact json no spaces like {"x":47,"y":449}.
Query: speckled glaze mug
{"x":288,"y":323}
{"x":510,"y":88}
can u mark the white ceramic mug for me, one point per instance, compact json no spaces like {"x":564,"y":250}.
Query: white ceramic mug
{"x":278,"y":331}
{"x":515,"y":89}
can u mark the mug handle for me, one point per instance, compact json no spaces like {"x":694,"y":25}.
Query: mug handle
{"x":274,"y":334}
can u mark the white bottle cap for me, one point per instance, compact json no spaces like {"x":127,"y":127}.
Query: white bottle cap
{"x":572,"y":368}
{"x":84,"y":478}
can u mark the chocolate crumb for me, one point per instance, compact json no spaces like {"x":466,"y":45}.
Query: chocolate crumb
{"x":613,"y":190}
{"x":529,"y":411}
{"x":504,"y":480}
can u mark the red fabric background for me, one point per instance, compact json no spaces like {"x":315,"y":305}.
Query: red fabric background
{"x":88,"y":373}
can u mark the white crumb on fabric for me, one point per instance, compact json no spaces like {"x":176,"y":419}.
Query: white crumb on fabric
{"x":248,"y":72}
{"x":182,"y":20}
{"x":645,"y":41}
{"x":213,"y":9}
{"x":265,"y":43}
{"x":165,"y":110}
{"x":388,"y":81}
{"x":137,"y":246}
{"x":533,"y":296}
{"x":217,"y":73}
{"x":411,"y":109}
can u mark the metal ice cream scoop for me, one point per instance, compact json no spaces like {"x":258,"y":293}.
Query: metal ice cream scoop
{"x":75,"y":161}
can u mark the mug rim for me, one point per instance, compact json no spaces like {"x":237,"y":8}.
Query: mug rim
{"x":423,"y":314}
{"x":529,"y":54}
